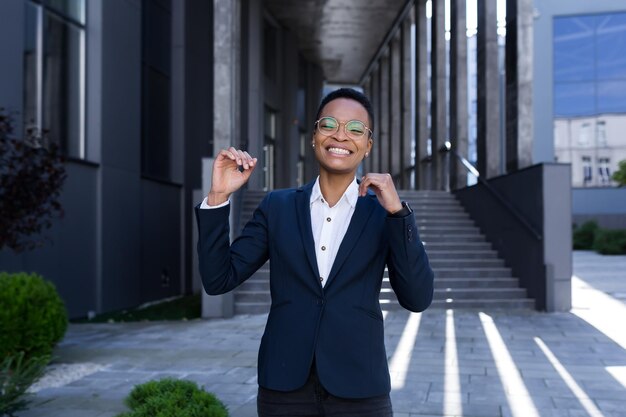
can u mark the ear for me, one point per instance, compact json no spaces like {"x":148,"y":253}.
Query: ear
{"x":370,"y":142}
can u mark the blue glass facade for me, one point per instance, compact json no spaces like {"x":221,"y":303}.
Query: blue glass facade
{"x":590,"y":95}
{"x":590,"y":65}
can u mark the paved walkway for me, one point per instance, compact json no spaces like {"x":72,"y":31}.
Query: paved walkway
{"x":444,"y":363}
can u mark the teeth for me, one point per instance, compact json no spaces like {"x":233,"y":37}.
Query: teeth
{"x":339,"y":151}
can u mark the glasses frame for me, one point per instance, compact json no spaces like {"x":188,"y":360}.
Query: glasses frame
{"x":349,"y":135}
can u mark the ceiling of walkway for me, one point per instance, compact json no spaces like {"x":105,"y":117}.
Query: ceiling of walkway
{"x":341,"y":36}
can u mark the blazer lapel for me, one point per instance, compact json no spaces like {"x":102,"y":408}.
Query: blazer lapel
{"x":362,"y":212}
{"x":303,"y":213}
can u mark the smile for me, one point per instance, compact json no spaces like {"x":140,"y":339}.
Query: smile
{"x":339,"y":151}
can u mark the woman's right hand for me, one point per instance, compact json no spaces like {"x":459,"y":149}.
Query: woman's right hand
{"x":226,"y":177}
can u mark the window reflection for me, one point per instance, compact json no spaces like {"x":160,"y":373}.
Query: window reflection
{"x":590,"y":95}
{"x":54,"y":71}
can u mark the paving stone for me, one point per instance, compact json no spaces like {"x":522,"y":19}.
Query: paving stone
{"x":221,"y":355}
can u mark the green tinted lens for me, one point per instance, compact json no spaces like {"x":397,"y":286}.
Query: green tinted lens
{"x":327,"y":124}
{"x":355,"y":128}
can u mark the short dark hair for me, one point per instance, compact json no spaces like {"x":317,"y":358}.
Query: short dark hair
{"x":351,"y":94}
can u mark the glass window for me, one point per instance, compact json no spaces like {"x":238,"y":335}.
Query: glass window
{"x":270,"y":55}
{"x":54,"y":72}
{"x":584,"y":136}
{"x":611,"y":44}
{"x":574,"y":99}
{"x":604,"y":171}
{"x":574,"y":48}
{"x":62,"y":86}
{"x":32,"y":67}
{"x":72,"y":9}
{"x":156,"y":141}
{"x":611,"y":97}
{"x":590,"y":95}
{"x":601,"y":133}
{"x":270,"y":124}
{"x":587,"y":171}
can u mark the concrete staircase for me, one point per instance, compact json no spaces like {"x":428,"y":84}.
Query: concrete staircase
{"x":468,"y":272}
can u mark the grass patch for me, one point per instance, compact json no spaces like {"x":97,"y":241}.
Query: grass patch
{"x":187,"y":307}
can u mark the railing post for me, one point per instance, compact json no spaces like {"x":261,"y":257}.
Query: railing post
{"x":444,"y":153}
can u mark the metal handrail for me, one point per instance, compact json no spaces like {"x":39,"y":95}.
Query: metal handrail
{"x":447,"y":148}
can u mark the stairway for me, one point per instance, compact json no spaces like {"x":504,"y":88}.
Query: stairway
{"x":468,"y":272}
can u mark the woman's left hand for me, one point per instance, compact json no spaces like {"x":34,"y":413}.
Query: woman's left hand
{"x":384,"y":188}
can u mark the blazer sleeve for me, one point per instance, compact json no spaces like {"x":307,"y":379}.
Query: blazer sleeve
{"x":410,"y":274}
{"x":223,"y":266}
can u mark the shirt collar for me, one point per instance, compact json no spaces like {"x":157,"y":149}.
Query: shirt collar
{"x":351,"y":194}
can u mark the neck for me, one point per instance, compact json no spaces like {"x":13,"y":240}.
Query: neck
{"x":333,"y":186}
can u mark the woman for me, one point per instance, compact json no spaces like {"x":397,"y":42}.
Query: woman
{"x":328,"y":242}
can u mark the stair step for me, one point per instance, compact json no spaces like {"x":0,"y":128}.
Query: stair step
{"x":251,"y":308}
{"x":466,"y":263}
{"x":451,"y":246}
{"x":434,"y":254}
{"x":441,"y":283}
{"x":472,"y":272}
{"x":253,"y":296}
{"x":439,"y":238}
{"x":468,"y":272}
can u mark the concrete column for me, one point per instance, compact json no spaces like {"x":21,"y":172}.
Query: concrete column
{"x":519,"y":84}
{"x":384,"y":142}
{"x":395,"y":97}
{"x":488,"y":109}
{"x":438,"y":88}
{"x":458,"y":91}
{"x":421,"y":91}
{"x":405,"y":90}
{"x":252,"y":81}
{"x":226,"y":132}
{"x":368,"y":87}
{"x":375,"y":154}
{"x":226,"y":73}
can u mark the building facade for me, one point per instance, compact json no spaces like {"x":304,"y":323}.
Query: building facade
{"x":580,"y":73}
{"x":127,"y":89}
{"x":139,"y":92}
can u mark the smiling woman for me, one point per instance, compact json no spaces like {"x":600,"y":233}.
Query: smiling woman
{"x":319,"y":350}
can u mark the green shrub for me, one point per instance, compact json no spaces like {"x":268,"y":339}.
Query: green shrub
{"x":619,"y":176}
{"x":584,"y":235}
{"x":32,"y":318}
{"x":17,"y":373}
{"x":170,"y":397}
{"x":610,"y":242}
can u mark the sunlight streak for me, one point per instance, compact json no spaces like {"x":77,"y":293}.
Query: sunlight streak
{"x":517,"y":395}
{"x":453,"y":402}
{"x":619,"y":373}
{"x":602,"y":315}
{"x":581,"y":396}
{"x":399,"y":364}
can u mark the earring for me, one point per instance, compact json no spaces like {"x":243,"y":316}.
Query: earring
{"x":313,"y":145}
{"x":367,"y":154}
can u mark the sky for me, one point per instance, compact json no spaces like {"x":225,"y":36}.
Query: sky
{"x":472,"y":21}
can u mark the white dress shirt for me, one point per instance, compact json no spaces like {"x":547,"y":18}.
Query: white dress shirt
{"x":329,"y":224}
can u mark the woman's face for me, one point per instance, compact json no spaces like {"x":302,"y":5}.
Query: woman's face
{"x":337,"y":153}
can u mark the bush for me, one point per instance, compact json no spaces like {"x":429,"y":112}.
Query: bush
{"x":31,"y":176}
{"x":610,"y":242}
{"x":169,"y":397}
{"x":619,"y":176}
{"x":17,"y":374}
{"x":32,"y":318}
{"x":584,"y":235}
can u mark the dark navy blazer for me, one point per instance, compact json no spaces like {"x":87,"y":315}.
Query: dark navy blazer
{"x":340,"y":324}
